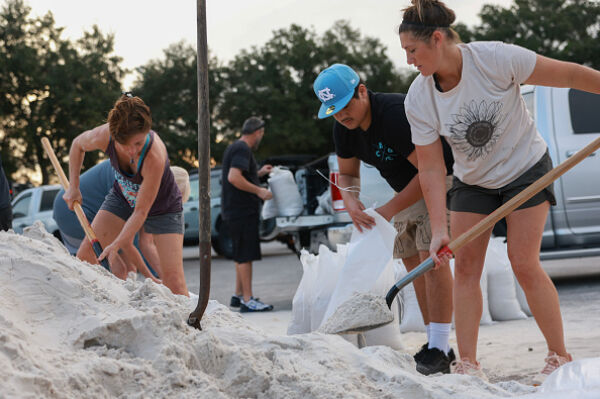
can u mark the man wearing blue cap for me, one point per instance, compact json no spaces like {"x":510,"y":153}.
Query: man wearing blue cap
{"x":372,"y":127}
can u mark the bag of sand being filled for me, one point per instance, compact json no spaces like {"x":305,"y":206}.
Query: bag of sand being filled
{"x":368,"y":268}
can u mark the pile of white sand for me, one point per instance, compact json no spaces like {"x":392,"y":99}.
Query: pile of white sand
{"x":68,"y":329}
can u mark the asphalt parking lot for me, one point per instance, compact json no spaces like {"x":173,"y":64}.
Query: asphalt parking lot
{"x":277,"y":275}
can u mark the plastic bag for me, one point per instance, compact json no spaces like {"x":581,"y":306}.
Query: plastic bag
{"x":302,"y":302}
{"x":368,"y":267}
{"x":286,"y":195}
{"x":328,"y":270}
{"x":502,"y":294}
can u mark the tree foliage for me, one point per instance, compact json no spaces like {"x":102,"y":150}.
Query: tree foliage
{"x":273,"y":81}
{"x":565,"y":30}
{"x":169,"y":87}
{"x":51,"y":87}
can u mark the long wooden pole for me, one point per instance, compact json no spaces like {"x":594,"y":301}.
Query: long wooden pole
{"x":76,"y":206}
{"x":495,"y":216}
{"x":203,"y":168}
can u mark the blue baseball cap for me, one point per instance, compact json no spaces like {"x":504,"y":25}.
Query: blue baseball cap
{"x":335,"y":87}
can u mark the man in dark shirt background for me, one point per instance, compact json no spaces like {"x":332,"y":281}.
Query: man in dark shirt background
{"x":6,"y":215}
{"x":372,"y":127}
{"x":241,"y":197}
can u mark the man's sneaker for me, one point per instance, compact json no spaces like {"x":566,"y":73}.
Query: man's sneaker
{"x":465,"y":367}
{"x":419,"y":355}
{"x":434,"y":361}
{"x":553,"y":361}
{"x":254,"y":305}
{"x":236,"y":300}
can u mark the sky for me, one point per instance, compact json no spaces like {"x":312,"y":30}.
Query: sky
{"x":143,"y":28}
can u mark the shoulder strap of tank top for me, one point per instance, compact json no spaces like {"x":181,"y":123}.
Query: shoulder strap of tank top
{"x":145,"y":150}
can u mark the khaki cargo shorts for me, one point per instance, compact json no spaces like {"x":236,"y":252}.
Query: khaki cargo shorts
{"x":414,"y":228}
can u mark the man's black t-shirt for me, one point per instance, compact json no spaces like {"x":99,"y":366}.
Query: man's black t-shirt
{"x":236,"y":203}
{"x":387,"y":142}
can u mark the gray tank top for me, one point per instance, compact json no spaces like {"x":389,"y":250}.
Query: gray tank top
{"x":168,"y":198}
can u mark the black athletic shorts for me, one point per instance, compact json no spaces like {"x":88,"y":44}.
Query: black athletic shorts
{"x":244,"y":235}
{"x":466,"y":198}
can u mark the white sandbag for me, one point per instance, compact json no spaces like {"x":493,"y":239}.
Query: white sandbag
{"x":522,"y":299}
{"x":389,"y":334}
{"x":368,"y":267}
{"x":579,"y":376}
{"x":285,"y":192}
{"x":269,"y":209}
{"x":412,"y":319}
{"x":329,"y":265}
{"x":367,"y":256}
{"x":301,"y":304}
{"x":502,"y":294}
{"x":325,"y":206}
{"x":579,"y":379}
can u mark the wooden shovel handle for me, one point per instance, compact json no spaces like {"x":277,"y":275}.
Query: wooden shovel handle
{"x":76,"y":206}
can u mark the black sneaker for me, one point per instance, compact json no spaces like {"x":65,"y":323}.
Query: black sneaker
{"x":419,"y":355}
{"x":254,"y":305}
{"x":434,"y":361}
{"x":451,"y":355}
{"x":236,"y":301}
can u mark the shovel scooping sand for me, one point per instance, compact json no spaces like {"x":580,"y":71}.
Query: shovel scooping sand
{"x":361,"y":312}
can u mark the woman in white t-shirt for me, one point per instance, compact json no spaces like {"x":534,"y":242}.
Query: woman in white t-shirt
{"x":469,"y":93}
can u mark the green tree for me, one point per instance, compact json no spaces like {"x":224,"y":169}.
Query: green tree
{"x":273,"y":81}
{"x":565,"y":30}
{"x":169,"y":87}
{"x":53,"y":88}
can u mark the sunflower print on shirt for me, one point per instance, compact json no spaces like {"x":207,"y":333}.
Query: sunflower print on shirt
{"x":475,"y":129}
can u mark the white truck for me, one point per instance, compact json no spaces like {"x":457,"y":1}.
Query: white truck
{"x":567,"y":120}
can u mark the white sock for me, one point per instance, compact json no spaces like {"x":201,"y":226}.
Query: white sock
{"x":428,"y":331}
{"x":439,"y":333}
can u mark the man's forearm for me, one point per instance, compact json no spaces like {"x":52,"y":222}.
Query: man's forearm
{"x":352,"y":182}
{"x":241,"y":183}
{"x":405,"y":198}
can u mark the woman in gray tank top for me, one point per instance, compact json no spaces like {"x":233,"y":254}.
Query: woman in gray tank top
{"x":144,"y":193}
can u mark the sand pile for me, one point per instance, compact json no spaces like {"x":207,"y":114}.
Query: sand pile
{"x":69,"y":329}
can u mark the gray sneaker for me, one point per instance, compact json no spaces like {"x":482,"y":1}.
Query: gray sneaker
{"x":254,"y":305}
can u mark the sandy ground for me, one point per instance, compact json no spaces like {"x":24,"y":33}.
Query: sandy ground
{"x":70,"y":330}
{"x":508,"y":350}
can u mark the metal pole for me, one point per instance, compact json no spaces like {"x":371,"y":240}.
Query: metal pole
{"x":203,"y":168}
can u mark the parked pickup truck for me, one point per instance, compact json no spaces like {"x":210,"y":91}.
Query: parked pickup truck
{"x":567,"y":119}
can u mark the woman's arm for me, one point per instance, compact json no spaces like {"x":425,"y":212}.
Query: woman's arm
{"x":90,"y":140}
{"x":152,"y":172}
{"x":555,"y":73}
{"x":432,"y":176}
